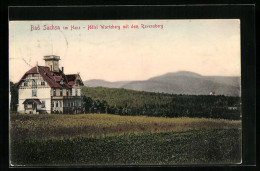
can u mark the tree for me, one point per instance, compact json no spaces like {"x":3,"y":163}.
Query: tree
{"x":14,"y":96}
{"x":87,"y":104}
{"x":94,"y":106}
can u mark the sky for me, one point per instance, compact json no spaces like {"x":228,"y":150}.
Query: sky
{"x":207,"y":47}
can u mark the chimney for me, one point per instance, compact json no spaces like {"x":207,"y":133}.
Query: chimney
{"x":62,"y":69}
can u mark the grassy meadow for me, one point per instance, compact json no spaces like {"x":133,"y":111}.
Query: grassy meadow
{"x":51,"y":126}
{"x":105,"y":139}
{"x":170,"y":148}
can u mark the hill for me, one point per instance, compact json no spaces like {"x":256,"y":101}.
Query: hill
{"x":182,"y":82}
{"x":103,"y":83}
{"x":129,"y":102}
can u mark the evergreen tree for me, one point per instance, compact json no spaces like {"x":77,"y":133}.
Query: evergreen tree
{"x":14,"y":96}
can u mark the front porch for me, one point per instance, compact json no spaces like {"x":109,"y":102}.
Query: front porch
{"x":32,"y":106}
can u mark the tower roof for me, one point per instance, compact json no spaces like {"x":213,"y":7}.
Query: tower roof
{"x":51,"y":57}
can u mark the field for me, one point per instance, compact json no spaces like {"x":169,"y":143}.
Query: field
{"x":44,"y":127}
{"x":104,"y":139}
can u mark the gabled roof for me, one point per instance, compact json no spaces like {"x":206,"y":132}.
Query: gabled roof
{"x":72,"y":78}
{"x":36,"y":101}
{"x":52,"y":78}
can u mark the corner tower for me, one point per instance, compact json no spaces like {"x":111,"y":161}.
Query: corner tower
{"x":52,"y":62}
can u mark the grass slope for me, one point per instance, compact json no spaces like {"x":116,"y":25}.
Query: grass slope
{"x":126,"y":98}
{"x":193,"y":147}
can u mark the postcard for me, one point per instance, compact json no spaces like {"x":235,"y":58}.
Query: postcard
{"x":125,"y":92}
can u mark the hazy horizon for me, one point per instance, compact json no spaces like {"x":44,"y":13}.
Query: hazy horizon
{"x":209,"y":47}
{"x":152,"y":77}
{"x":161,"y":75}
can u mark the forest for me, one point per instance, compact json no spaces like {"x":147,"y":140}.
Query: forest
{"x":130,"y":102}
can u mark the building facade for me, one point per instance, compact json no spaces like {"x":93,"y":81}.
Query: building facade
{"x":46,"y":89}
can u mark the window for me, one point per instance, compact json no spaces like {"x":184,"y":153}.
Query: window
{"x":54,"y":92}
{"x":25,"y":83}
{"x":34,"y":93}
{"x":42,"y":82}
{"x":67,"y":92}
{"x":34,"y":83}
{"x":57,"y":104}
{"x":61,"y":82}
{"x":60,"y":104}
{"x":76,"y":92}
{"x":52,"y":104}
{"x":43,"y":104}
{"x":61,"y":92}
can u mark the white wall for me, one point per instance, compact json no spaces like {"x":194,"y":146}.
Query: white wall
{"x":47,"y":105}
{"x":42,"y":94}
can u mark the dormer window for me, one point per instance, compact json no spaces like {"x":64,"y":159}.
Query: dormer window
{"x":25,"y":84}
{"x":61,"y":82}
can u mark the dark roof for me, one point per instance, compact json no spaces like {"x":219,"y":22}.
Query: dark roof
{"x":52,"y":78}
{"x":37,"y":101}
{"x":71,"y":79}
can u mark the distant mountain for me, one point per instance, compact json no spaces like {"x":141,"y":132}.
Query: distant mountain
{"x":103,"y":83}
{"x":182,"y":82}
